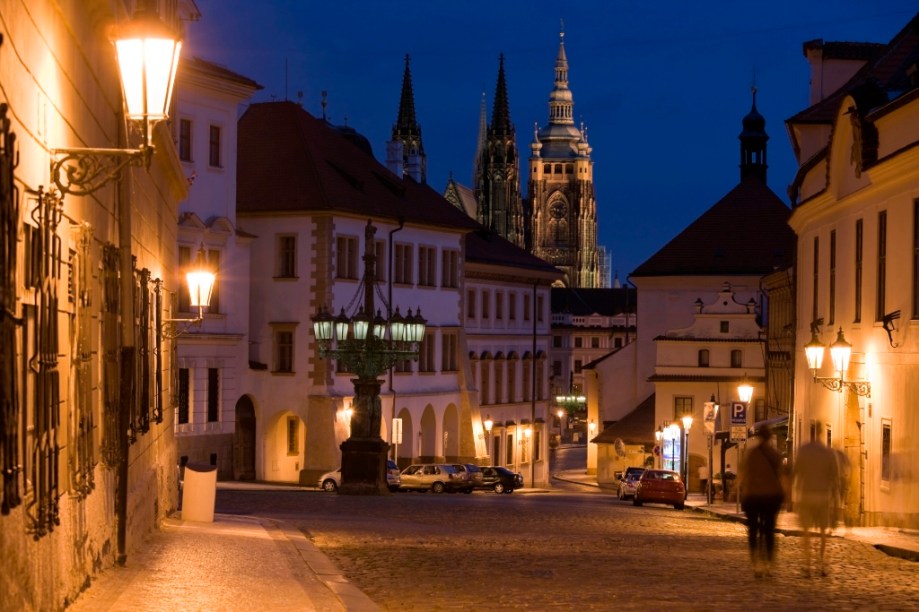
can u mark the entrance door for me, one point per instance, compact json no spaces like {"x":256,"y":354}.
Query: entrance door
{"x":244,"y":440}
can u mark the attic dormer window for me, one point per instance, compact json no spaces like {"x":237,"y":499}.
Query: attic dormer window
{"x":725,"y":327}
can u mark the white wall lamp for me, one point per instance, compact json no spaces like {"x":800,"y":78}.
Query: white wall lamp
{"x":148,"y":57}
{"x":840,"y":352}
{"x":200,"y":282}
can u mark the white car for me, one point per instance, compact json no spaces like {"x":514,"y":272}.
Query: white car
{"x":330,"y":481}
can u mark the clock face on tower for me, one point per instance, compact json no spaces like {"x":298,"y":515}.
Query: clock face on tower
{"x":557,"y":209}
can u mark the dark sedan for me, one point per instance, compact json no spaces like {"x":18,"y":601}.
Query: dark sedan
{"x":500,"y":479}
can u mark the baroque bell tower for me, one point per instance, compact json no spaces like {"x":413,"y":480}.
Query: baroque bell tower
{"x":561,"y":188}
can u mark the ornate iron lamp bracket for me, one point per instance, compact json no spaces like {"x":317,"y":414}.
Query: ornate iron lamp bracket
{"x":82,"y":172}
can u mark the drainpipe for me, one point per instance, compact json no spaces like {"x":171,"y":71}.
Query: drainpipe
{"x":533,"y":395}
{"x":388,"y":317}
{"x":128,"y":354}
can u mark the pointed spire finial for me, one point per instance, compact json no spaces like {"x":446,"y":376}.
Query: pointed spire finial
{"x":561,"y":29}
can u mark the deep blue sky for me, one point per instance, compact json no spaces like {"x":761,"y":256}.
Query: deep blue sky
{"x":662,"y":85}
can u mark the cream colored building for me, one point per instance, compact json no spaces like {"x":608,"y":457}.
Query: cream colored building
{"x":88,"y":449}
{"x":856,"y":213}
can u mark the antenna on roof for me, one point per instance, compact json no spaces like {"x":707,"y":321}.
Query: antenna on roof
{"x":285,"y":80}
{"x":324,"y":103}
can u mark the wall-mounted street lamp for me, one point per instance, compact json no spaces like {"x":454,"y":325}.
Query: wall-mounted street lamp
{"x":488,"y":423}
{"x":148,"y":57}
{"x":840,"y":352}
{"x":659,"y":438}
{"x":200,"y":282}
{"x":367,"y":346}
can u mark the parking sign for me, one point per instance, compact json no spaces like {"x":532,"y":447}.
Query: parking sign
{"x":738,"y":413}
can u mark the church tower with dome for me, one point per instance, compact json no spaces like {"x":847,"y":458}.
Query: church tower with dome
{"x":562,"y":205}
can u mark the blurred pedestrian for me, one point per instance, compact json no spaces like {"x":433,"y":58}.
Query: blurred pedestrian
{"x":762,"y":492}
{"x":703,"y":479}
{"x":816,"y":493}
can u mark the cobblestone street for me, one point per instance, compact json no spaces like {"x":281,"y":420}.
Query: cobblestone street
{"x":561,"y":550}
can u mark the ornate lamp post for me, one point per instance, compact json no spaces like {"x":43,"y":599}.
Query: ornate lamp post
{"x":687,"y":424}
{"x":367,"y":345}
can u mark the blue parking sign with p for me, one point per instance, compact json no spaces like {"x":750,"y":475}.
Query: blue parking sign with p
{"x":738,"y":413}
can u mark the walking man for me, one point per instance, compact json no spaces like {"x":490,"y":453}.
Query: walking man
{"x":761,"y":495}
{"x":816,"y":488}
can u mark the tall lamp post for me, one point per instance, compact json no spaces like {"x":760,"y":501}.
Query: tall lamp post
{"x":745,"y":393}
{"x":710,"y":415}
{"x":367,"y":345}
{"x":687,"y":424}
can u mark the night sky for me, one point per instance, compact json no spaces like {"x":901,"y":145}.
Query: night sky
{"x":661,"y":85}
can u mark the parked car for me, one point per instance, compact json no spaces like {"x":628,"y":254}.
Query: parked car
{"x":628,"y":482}
{"x":471,"y":473}
{"x":436,"y":477}
{"x":393,"y":476}
{"x":660,"y":487}
{"x":500,"y":479}
{"x":330,"y":481}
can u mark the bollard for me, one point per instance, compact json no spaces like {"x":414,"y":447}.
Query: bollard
{"x":199,"y":492}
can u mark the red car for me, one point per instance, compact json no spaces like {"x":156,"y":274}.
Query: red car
{"x":660,"y":487}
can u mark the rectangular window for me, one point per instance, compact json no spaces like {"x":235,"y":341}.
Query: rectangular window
{"x":213,"y":395}
{"x":556,"y":342}
{"x":880,"y":308}
{"x":426,"y":353}
{"x":831,"y":316}
{"x":379,"y":249}
{"x":427,"y":266}
{"x":486,"y":300}
{"x":595,"y":342}
{"x":886,"y":441}
{"x":537,"y":446}
{"x":448,"y":352}
{"x":213,"y":263}
{"x":703,"y":360}
{"x":485,"y":385}
{"x":915,"y":279}
{"x":184,"y":395}
{"x":185,"y":140}
{"x":859,"y":257}
{"x":725,"y":327}
{"x":499,"y":382}
{"x":512,"y":307}
{"x":293,"y":435}
{"x":283,"y":351}
{"x":287,"y":256}
{"x":556,"y":368}
{"x":512,"y":380}
{"x":578,"y":342}
{"x":499,"y":306}
{"x":509,"y":450}
{"x":815,"y":280}
{"x":527,"y":379}
{"x":682,"y":406}
{"x":346,"y":257}
{"x":402,"y":272}
{"x":450,"y":273}
{"x":470,"y":304}
{"x":526,"y":306}
{"x":539,"y":308}
{"x":577,"y":366}
{"x":617,"y":343}
{"x":214,"y":147}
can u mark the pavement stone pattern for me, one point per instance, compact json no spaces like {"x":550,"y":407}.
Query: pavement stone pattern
{"x":536,"y":551}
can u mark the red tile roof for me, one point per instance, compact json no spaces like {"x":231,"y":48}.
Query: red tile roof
{"x":746,"y":232}
{"x":290,"y":161}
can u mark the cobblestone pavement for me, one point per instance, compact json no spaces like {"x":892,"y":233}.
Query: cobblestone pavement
{"x":560,"y":551}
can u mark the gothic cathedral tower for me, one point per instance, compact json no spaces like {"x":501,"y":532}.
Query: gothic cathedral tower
{"x":497,"y":170}
{"x":406,"y":135}
{"x":561,"y":188}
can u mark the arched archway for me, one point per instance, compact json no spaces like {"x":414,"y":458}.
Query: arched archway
{"x":244,"y":440}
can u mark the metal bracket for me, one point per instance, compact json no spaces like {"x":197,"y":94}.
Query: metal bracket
{"x":81,"y":172}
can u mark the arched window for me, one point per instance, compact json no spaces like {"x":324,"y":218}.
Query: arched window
{"x":736,"y":358}
{"x":703,"y":358}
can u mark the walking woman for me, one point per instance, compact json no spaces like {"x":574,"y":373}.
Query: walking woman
{"x":761,"y":495}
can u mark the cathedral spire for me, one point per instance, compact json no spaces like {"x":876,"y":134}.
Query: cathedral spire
{"x":407,"y":131}
{"x":501,"y":114}
{"x":561,"y":102}
{"x":753,"y":144}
